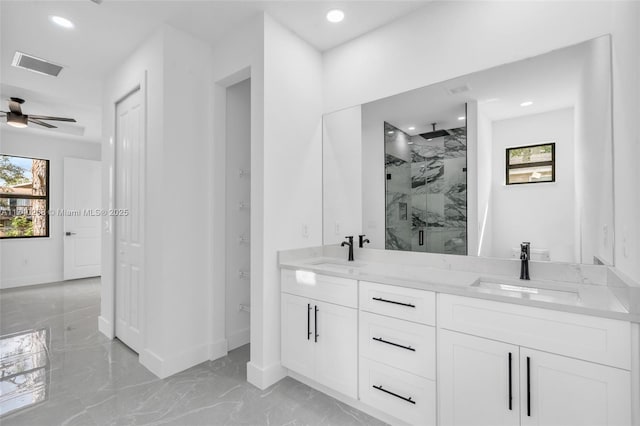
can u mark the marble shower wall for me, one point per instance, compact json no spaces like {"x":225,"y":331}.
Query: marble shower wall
{"x":398,"y":189}
{"x":429,"y":175}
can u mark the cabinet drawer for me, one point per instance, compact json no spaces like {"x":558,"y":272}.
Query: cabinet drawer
{"x":407,"y":397}
{"x":341,"y":291}
{"x":398,"y":302}
{"x":600,"y":340}
{"x":399,"y":343}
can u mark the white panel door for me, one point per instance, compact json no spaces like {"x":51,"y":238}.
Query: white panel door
{"x":297,"y":334}
{"x":82,"y":190}
{"x":129,"y":228}
{"x":476,"y":384}
{"x":569,"y":392}
{"x":336,"y":332}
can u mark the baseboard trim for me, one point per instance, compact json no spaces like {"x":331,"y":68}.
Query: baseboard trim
{"x":105,"y":327}
{"x":218,"y":349}
{"x":262,"y":378}
{"x":168,"y":366}
{"x":30,"y":280}
{"x":357,"y":404}
{"x":237,"y":339}
{"x":151,"y":362}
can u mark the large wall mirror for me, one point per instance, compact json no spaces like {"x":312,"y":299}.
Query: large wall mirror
{"x":479,"y":163}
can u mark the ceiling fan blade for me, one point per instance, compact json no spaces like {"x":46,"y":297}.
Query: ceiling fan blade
{"x":46,"y":117}
{"x":14,"y":107}
{"x":42,"y":123}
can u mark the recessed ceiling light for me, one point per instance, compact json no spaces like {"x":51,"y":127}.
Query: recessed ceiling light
{"x":412,"y":128}
{"x":335,"y":16}
{"x":390,"y":132}
{"x":63,"y":22}
{"x":526,"y":104}
{"x":461,"y":118}
{"x":409,"y":143}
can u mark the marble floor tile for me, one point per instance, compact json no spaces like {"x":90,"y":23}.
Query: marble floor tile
{"x":96,"y":381}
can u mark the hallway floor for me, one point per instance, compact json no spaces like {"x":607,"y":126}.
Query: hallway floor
{"x":86,"y":379}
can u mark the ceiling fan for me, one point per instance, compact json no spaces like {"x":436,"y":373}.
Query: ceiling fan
{"x":16,"y":118}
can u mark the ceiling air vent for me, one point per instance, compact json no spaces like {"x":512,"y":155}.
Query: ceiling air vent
{"x":32,"y":63}
{"x":459,"y":89}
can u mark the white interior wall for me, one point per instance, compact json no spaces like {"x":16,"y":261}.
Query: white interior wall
{"x":484,"y":179}
{"x":594,"y":184}
{"x":373,"y":180}
{"x":186,"y":146}
{"x":367,"y":68}
{"x":342,"y":184}
{"x":473,"y":171}
{"x":541,"y":213}
{"x":626,"y":134}
{"x":238,"y":56}
{"x":292,"y":173}
{"x":144,"y":67}
{"x":174,"y":68}
{"x":40,"y":260}
{"x":286,"y":175}
{"x":238,"y":196}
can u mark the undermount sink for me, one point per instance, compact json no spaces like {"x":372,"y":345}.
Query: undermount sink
{"x":339,"y":264}
{"x":531,"y":291}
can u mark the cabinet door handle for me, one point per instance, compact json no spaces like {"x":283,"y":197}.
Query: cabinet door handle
{"x":315,"y":323}
{"x":421,"y":237}
{"x":510,"y":391}
{"x":380,"y":299}
{"x":380,"y":339}
{"x":308,"y":321}
{"x":380,"y":388}
{"x":528,"y":386}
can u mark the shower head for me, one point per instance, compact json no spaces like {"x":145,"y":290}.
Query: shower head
{"x":435,"y":133}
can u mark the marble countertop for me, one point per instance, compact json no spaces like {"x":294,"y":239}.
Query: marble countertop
{"x":590,"y":299}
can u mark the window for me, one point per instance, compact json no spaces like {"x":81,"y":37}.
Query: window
{"x":24,"y":197}
{"x":531,"y":164}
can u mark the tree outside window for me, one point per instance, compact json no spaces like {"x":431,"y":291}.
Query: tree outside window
{"x":24,"y":197}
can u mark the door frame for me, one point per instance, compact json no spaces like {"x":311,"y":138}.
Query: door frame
{"x":106,"y":320}
{"x":66,"y":161}
{"x":217,"y":224}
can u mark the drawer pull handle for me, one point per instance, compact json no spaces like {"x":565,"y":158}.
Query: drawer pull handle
{"x":380,"y":299}
{"x":380,"y":339}
{"x":528,"y":387}
{"x":308,"y":321}
{"x":315,"y":323}
{"x":510,"y":392}
{"x":380,"y":388}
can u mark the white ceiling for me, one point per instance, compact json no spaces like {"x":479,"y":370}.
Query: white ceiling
{"x":104,"y":35}
{"x":550,"y":81}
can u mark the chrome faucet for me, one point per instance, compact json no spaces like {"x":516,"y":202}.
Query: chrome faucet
{"x":525,"y":254}
{"x":350,"y":244}
{"x":363,"y":240}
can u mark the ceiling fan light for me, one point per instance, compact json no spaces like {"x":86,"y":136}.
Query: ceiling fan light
{"x":17,"y":120}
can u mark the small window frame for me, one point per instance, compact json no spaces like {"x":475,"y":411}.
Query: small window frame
{"x":45,"y":197}
{"x":551,"y":163}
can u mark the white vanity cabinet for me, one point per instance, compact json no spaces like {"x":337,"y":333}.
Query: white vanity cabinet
{"x":320,"y":337}
{"x":397,"y":352}
{"x":504,"y":364}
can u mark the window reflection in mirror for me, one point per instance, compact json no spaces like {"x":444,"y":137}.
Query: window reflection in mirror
{"x":531,"y":164}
